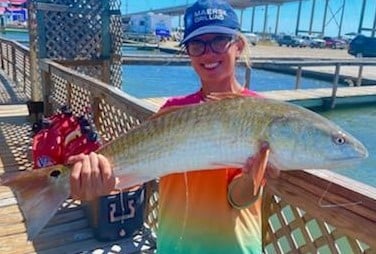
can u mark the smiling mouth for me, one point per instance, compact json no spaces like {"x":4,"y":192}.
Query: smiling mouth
{"x":211,"y":66}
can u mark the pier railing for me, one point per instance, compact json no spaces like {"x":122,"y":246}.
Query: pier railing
{"x":15,"y":63}
{"x":304,"y":211}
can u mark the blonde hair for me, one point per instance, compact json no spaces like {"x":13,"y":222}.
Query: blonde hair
{"x":245,"y":56}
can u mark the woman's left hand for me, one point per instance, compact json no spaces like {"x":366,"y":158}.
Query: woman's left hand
{"x":257,"y":168}
{"x":244,"y":190}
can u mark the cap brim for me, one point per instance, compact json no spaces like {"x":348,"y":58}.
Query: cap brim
{"x":210,"y":30}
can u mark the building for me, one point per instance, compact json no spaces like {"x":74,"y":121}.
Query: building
{"x":13,"y":13}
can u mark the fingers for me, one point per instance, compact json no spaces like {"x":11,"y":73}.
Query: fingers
{"x":256,"y":165}
{"x":75,"y":180}
{"x":259,"y":160}
{"x":107,"y":177}
{"x":91,"y":176}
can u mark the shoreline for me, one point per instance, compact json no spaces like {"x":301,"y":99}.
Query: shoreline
{"x":325,"y":73}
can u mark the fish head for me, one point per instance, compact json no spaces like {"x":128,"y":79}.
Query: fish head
{"x":306,"y":140}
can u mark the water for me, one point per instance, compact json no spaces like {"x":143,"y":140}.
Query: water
{"x":144,"y":81}
{"x":166,"y":80}
{"x":361,"y":122}
{"x":136,"y":51}
{"x":14,"y":35}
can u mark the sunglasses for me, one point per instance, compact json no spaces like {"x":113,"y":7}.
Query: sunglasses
{"x":219,"y":45}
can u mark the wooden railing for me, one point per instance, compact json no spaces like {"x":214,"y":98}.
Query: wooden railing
{"x":306,"y":210}
{"x":15,"y":62}
{"x":303,"y":212}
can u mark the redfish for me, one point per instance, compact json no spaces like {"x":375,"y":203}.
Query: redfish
{"x":211,"y":135}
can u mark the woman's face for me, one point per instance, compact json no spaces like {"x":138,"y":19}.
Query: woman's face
{"x":217,"y":62}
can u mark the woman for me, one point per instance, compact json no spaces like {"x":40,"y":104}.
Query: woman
{"x":216,"y":211}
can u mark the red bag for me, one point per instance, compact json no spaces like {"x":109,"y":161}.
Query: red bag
{"x":60,"y":136}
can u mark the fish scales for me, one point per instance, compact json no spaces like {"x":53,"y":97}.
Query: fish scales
{"x":194,"y":133}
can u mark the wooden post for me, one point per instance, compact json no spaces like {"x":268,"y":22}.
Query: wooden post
{"x":24,"y":72}
{"x":360,"y":74}
{"x":335,"y":85}
{"x":46,"y":86}
{"x":247,"y":77}
{"x":2,"y":56}
{"x":14,"y":66}
{"x":298,"y":77}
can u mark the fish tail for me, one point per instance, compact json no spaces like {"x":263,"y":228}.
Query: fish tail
{"x":38,"y":194}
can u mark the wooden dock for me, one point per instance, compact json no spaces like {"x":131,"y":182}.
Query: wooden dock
{"x":312,"y":98}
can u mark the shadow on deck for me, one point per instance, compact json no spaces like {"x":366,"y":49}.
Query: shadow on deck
{"x":9,"y":92}
{"x":69,"y":230}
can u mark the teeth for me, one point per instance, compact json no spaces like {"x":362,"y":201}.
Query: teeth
{"x":211,"y":65}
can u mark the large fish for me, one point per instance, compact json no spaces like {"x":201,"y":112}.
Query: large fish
{"x":207,"y":136}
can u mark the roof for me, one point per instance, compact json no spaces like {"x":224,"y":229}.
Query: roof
{"x":17,"y":2}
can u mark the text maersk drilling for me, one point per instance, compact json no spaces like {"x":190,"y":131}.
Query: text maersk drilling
{"x":209,"y":14}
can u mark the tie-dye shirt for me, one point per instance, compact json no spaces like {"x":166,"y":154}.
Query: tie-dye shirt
{"x":194,"y":213}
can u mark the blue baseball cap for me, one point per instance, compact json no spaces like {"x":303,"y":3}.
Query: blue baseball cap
{"x":210,"y":16}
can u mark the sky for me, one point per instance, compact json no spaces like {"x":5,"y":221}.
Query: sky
{"x":288,"y":15}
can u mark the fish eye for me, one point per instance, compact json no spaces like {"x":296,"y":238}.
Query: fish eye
{"x":55,"y":173}
{"x":339,"y":139}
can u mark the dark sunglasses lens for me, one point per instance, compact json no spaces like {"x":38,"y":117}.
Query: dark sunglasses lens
{"x":195,"y":48}
{"x":220,"y":44}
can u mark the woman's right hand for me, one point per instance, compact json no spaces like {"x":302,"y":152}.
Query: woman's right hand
{"x":91,"y":176}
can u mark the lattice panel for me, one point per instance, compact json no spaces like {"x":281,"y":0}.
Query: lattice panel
{"x":114,"y":122}
{"x":117,"y":42}
{"x":82,"y":99}
{"x":96,"y":71}
{"x":76,"y":30}
{"x":59,"y":93}
{"x":291,"y":230}
{"x":79,"y":33}
{"x":64,"y":93}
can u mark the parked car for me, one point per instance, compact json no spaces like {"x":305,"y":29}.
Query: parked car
{"x":334,"y":43}
{"x":252,"y":38}
{"x":349,"y":36}
{"x":303,"y":41}
{"x":288,"y":40}
{"x":317,"y":43}
{"x":363,"y":46}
